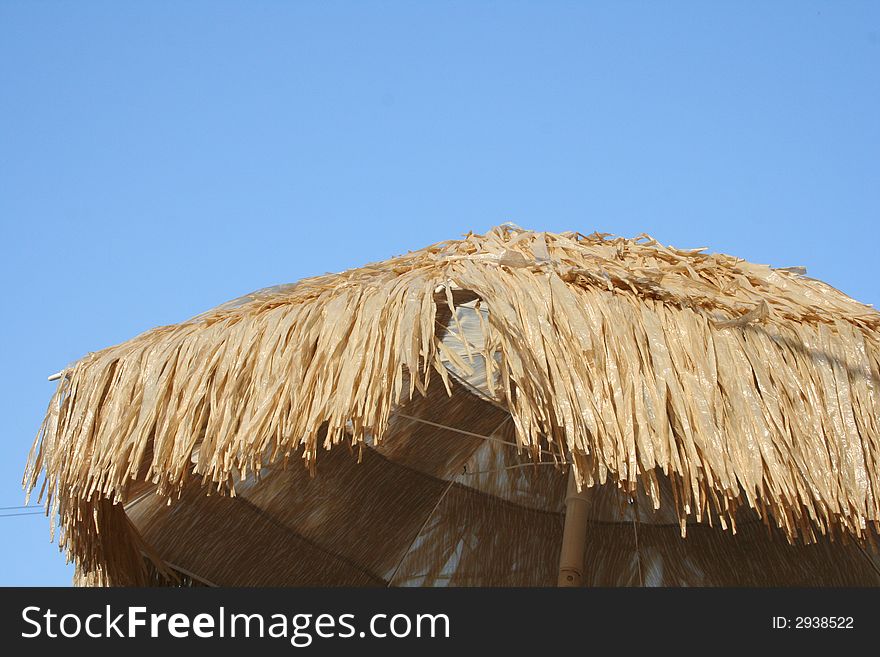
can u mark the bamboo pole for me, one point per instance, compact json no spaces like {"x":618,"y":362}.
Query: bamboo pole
{"x":574,"y":536}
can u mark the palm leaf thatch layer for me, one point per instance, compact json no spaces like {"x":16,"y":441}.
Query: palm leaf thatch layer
{"x":698,"y":383}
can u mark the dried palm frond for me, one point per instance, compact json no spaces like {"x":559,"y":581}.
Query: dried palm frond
{"x":637,"y":363}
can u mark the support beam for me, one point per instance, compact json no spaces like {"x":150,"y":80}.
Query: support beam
{"x":574,"y":537}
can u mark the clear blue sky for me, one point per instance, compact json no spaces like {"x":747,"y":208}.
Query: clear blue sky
{"x":159,"y":158}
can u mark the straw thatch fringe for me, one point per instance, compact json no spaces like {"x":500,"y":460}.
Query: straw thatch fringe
{"x":743,"y":383}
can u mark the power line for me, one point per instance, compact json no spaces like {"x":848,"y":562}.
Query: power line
{"x":22,"y":506}
{"x":25,"y":513}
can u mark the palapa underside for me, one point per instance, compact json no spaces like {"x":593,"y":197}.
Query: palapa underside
{"x":692,"y":385}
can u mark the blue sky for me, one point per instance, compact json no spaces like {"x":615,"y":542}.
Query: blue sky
{"x":159,"y":158}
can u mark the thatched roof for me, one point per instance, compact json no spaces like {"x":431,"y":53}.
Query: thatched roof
{"x":639,"y":363}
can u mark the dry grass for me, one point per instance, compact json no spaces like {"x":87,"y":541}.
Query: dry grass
{"x":741,"y":383}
